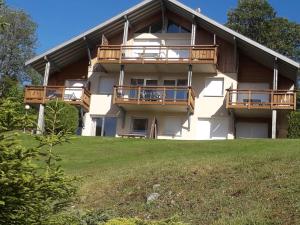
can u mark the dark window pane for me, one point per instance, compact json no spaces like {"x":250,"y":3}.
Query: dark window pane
{"x":170,"y":94}
{"x":110,"y":126}
{"x":140,"y":125}
{"x":135,"y":82}
{"x":181,"y":94}
{"x":98,"y":126}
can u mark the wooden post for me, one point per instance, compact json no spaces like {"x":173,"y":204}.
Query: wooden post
{"x":249,"y":99}
{"x":41,"y":122}
{"x":274,"y":112}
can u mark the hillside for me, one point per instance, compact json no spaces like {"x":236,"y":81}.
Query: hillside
{"x":208,"y":182}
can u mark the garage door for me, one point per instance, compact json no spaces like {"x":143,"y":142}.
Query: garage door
{"x":251,"y":130}
{"x":213,"y":128}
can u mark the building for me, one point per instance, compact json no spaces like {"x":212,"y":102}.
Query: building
{"x":163,"y":70}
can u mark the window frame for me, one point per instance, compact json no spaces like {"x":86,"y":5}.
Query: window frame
{"x":139,"y":118}
{"x":206,"y":84}
{"x":103,"y":117}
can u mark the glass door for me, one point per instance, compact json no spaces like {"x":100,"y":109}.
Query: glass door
{"x":151,"y":94}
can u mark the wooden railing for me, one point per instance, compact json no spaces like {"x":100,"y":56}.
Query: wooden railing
{"x":155,"y":95}
{"x":261,"y":99}
{"x":194,"y":54}
{"x":42,"y":94}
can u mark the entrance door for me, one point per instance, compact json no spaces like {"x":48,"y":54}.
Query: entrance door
{"x":105,"y":126}
{"x":203,"y":129}
{"x":213,"y":128}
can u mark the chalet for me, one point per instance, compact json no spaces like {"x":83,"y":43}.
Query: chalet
{"x":163,"y":70}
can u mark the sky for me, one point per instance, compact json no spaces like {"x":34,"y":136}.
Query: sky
{"x":60,"y":20}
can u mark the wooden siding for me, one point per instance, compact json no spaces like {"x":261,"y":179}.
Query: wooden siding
{"x":77,"y":70}
{"x":251,"y":71}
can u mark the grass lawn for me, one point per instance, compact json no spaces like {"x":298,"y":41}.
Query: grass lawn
{"x":202,"y":182}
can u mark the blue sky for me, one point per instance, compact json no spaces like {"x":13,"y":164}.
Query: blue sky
{"x":60,"y":20}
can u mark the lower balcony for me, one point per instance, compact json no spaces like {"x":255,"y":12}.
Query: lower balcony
{"x":261,"y":99}
{"x":155,"y":98}
{"x":77,"y":96}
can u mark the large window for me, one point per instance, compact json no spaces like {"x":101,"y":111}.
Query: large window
{"x":139,"y":125}
{"x":214,"y":87}
{"x":105,"y":126}
{"x":176,"y":28}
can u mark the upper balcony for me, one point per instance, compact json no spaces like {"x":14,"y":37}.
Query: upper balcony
{"x":77,"y":96}
{"x":202,"y":57}
{"x":155,"y":98}
{"x":261,"y":99}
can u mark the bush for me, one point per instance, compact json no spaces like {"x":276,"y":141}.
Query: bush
{"x":67,"y":117}
{"x":294,"y":125}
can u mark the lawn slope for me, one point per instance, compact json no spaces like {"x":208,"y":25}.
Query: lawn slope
{"x":206,"y":182}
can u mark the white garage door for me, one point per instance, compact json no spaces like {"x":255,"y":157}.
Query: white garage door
{"x":213,"y":128}
{"x":251,"y":130}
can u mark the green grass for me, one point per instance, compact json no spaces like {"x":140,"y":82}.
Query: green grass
{"x":207,"y":182}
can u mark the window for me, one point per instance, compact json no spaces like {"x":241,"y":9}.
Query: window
{"x":106,"y":85}
{"x":214,"y":87}
{"x":153,"y":28}
{"x":105,"y":126}
{"x":175,"y":28}
{"x":139,"y":125}
{"x":172,"y":126}
{"x":182,"y":94}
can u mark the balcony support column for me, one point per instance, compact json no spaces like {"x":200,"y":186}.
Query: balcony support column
{"x":274,"y":112}
{"x":193,"y":32}
{"x":41,"y":122}
{"x":121,"y":77}
{"x":126,"y":28}
{"x":190,"y":75}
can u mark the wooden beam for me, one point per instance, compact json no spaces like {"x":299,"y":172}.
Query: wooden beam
{"x":88,"y":50}
{"x":126,"y":28}
{"x":235,"y":55}
{"x":163,"y":17}
{"x":193,"y":32}
{"x":275,"y":86}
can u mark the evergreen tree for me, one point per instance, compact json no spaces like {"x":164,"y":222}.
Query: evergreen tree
{"x":257,"y":20}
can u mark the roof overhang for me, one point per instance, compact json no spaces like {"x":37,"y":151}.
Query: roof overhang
{"x":74,"y":49}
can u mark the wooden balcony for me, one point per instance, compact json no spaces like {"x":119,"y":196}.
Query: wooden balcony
{"x":155,"y":98}
{"x":260,"y":99}
{"x":77,"y":96}
{"x":157,"y":54}
{"x":203,"y":57}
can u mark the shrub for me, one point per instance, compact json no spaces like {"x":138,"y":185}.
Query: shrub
{"x":67,"y":117}
{"x":294,"y":125}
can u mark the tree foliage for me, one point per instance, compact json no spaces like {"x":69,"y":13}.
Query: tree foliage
{"x":13,"y":115}
{"x":294,"y":125}
{"x":67,"y":117}
{"x":18,"y":42}
{"x":257,"y":20}
{"x":33,"y":187}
